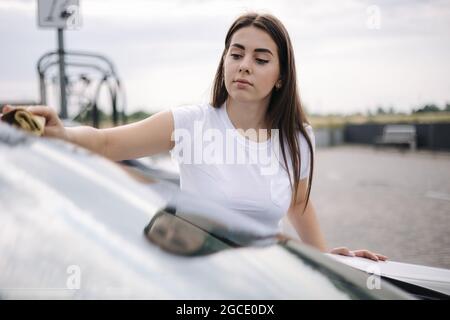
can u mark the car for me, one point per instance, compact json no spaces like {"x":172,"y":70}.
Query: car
{"x":75,"y":225}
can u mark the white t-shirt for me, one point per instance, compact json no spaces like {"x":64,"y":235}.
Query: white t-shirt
{"x":217,"y":162}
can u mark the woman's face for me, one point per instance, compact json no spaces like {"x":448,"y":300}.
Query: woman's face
{"x":252,"y":57}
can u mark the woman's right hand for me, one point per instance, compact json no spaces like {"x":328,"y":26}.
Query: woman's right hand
{"x":54,"y":127}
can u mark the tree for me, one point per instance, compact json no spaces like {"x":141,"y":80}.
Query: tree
{"x":380,"y":110}
{"x":428,"y":108}
{"x":138,"y":115}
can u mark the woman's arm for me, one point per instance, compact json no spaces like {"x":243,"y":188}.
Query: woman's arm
{"x":305,"y":222}
{"x":147,"y":137}
{"x":307,"y":227}
{"x":143,"y":138}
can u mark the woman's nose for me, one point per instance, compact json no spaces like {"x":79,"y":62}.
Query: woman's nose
{"x":245,"y":65}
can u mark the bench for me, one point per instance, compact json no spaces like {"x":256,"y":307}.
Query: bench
{"x":398,"y":135}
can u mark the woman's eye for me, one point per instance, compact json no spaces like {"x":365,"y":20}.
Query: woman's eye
{"x":236,"y":56}
{"x":261,"y":61}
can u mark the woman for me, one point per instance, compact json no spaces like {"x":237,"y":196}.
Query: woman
{"x":255,"y":97}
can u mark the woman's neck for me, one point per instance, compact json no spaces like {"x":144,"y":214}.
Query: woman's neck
{"x":247,"y":115}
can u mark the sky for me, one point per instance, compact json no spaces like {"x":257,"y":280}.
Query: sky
{"x":351,"y":55}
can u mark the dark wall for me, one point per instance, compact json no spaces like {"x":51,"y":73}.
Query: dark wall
{"x":434,"y":136}
{"x":364,"y":133}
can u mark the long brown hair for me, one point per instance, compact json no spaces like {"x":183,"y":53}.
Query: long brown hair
{"x":285,"y":111}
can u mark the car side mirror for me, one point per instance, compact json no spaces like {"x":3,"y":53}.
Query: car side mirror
{"x":178,"y":236}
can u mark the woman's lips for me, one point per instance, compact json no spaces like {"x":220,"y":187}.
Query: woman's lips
{"x":242,"y":85}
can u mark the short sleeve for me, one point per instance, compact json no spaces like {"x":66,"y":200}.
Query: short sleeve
{"x":305,"y":153}
{"x":184,"y":117}
{"x":184,"y":120}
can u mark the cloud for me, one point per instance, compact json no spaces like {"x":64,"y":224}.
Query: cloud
{"x":167,"y":51}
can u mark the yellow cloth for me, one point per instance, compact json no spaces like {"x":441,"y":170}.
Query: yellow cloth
{"x":25,"y":120}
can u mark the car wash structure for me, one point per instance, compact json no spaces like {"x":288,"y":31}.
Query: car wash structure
{"x":79,"y":75}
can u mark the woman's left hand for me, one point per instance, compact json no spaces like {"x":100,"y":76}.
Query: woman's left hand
{"x":359,"y":253}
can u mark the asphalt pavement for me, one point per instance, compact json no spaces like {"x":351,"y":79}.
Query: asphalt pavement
{"x":391,"y":201}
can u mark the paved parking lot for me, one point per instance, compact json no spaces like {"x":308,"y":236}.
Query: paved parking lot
{"x":393,"y":202}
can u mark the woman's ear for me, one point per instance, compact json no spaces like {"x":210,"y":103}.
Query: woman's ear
{"x":278,"y":84}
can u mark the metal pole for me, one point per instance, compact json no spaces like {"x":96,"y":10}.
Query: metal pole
{"x":62,"y":74}
{"x":42,"y":89}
